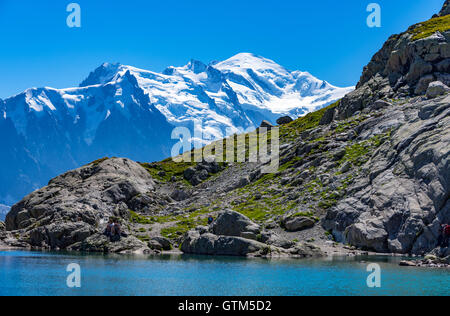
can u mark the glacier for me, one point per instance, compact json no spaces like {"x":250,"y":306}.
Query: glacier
{"x":124,"y":111}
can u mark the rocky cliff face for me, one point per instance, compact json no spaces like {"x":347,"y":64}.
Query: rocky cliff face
{"x":399,"y":197}
{"x":405,"y":66}
{"x":401,"y":201}
{"x":445,"y":9}
{"x":370,"y":171}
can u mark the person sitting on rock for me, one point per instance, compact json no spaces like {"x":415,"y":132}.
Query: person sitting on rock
{"x":444,"y":237}
{"x":116,"y":232}
{"x":109,"y":228}
{"x":446,"y":234}
{"x":210,"y":219}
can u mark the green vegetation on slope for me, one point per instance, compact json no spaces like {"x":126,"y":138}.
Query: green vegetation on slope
{"x":294,"y":129}
{"x":428,"y":28}
{"x":167,"y":169}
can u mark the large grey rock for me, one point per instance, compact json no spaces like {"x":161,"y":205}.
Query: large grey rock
{"x":368,"y":234}
{"x":59,"y":235}
{"x":272,"y":238}
{"x":437,"y":88}
{"x":189,"y":173}
{"x":209,"y":244}
{"x":100,"y":243}
{"x":179,"y":195}
{"x":160,"y":243}
{"x":230,"y":223}
{"x":297,"y":223}
{"x":306,"y":251}
{"x":328,"y":116}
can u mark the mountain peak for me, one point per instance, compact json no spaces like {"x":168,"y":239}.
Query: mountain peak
{"x":102,"y":74}
{"x":196,"y":66}
{"x":249,"y":60}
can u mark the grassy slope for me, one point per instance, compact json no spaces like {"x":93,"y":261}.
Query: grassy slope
{"x":428,"y":28}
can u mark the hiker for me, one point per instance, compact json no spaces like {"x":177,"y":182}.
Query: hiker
{"x":114,"y":230}
{"x":210,"y":220}
{"x":444,"y":236}
{"x":109,"y":228}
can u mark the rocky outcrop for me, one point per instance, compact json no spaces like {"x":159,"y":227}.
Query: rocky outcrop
{"x":233,"y":234}
{"x":429,"y":261}
{"x":297,"y":223}
{"x":100,"y":243}
{"x":445,"y":9}
{"x":284,"y":120}
{"x":436,"y":89}
{"x":77,"y":204}
{"x":2,"y":226}
{"x":404,"y":67}
{"x":209,"y":244}
{"x":400,"y":200}
{"x":201,"y":172}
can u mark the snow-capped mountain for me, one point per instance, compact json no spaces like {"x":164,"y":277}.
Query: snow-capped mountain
{"x":236,"y":94}
{"x":125,"y":111}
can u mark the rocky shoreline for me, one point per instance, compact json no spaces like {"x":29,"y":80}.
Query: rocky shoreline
{"x":368,"y":174}
{"x":232,"y":234}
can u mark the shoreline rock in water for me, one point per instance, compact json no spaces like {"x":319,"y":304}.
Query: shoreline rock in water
{"x":429,"y":261}
{"x":233,"y":234}
{"x":371,"y":172}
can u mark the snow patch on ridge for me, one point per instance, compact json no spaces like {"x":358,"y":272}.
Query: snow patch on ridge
{"x":233,"y":95}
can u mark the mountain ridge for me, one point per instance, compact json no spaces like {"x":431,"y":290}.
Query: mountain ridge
{"x":121,"y":110}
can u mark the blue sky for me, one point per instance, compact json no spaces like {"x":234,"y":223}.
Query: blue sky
{"x":328,"y":38}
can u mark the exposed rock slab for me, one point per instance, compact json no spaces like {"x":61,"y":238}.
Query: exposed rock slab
{"x":77,"y":204}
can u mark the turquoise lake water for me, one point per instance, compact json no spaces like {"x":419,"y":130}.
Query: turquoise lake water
{"x":36,"y":273}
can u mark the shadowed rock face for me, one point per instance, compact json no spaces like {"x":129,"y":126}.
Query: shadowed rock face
{"x":445,"y":9}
